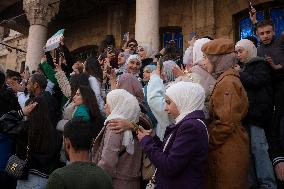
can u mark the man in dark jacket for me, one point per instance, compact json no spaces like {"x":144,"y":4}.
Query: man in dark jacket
{"x":272,"y":49}
{"x":36,"y":86}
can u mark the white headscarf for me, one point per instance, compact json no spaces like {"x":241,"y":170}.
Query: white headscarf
{"x":123,"y":105}
{"x":187,"y":96}
{"x":197,"y":54}
{"x":249,"y":47}
{"x":148,"y":49}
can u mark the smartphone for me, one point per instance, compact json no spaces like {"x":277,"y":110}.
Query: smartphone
{"x":251,"y":7}
{"x":191,"y":35}
{"x":126,"y":36}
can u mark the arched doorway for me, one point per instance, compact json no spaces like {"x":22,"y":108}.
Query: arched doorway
{"x":82,"y":53}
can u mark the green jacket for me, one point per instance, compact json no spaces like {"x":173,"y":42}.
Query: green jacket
{"x":49,"y":72}
{"x":83,"y":112}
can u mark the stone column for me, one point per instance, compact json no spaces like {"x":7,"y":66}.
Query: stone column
{"x":147,"y":22}
{"x":39,"y":13}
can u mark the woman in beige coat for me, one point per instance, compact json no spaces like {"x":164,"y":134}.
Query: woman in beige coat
{"x":119,"y":153}
{"x":228,"y":159}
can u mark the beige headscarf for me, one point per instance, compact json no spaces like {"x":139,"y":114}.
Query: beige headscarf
{"x":148,"y":49}
{"x":131,"y":84}
{"x":222,"y":63}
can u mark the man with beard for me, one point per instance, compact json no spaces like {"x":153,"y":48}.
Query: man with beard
{"x":36,"y":87}
{"x":81,"y":172}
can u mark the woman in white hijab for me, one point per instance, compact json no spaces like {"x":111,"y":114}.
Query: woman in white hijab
{"x":180,"y":159}
{"x":119,"y":153}
{"x":133,"y":65}
{"x":255,"y":77}
{"x":197,"y":73}
{"x":145,"y":52}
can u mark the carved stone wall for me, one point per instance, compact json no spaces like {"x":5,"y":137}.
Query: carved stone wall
{"x":40,"y":12}
{"x":11,"y":58}
{"x":206,"y":17}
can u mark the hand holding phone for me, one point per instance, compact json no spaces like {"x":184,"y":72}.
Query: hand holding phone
{"x":252,"y":13}
{"x":126,"y":36}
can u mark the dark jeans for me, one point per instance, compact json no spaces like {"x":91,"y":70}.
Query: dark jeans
{"x":6,"y":181}
{"x":280,"y":185}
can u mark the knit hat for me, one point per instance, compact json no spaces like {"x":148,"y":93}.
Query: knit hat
{"x":219,"y":47}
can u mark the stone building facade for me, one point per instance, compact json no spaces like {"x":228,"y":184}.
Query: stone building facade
{"x":149,"y":21}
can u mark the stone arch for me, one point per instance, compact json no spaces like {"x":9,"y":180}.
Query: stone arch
{"x":84,"y":52}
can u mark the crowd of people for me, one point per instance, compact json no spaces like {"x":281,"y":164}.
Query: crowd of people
{"x":133,"y":118}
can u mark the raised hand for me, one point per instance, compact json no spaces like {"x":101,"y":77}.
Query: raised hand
{"x":252,"y":15}
{"x":141,"y":133}
{"x":29,"y":108}
{"x":177,"y":71}
{"x":43,"y":59}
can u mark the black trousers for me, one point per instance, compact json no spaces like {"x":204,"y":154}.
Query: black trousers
{"x":6,"y":181}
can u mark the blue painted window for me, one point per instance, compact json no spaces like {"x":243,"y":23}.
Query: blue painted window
{"x":176,"y":36}
{"x":246,"y":26}
{"x":277,"y":16}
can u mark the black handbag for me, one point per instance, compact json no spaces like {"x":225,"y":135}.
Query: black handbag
{"x":16,"y":167}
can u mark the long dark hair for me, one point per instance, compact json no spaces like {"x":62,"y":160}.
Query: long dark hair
{"x":90,"y":100}
{"x":40,"y":127}
{"x":93,"y":68}
{"x":170,"y":51}
{"x":77,"y":80}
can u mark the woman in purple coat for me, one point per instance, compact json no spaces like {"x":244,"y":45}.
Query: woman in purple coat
{"x":180,"y":159}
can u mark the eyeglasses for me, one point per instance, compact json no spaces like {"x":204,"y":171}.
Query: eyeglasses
{"x":132,"y":45}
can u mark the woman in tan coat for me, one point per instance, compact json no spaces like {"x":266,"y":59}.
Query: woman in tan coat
{"x":228,"y":159}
